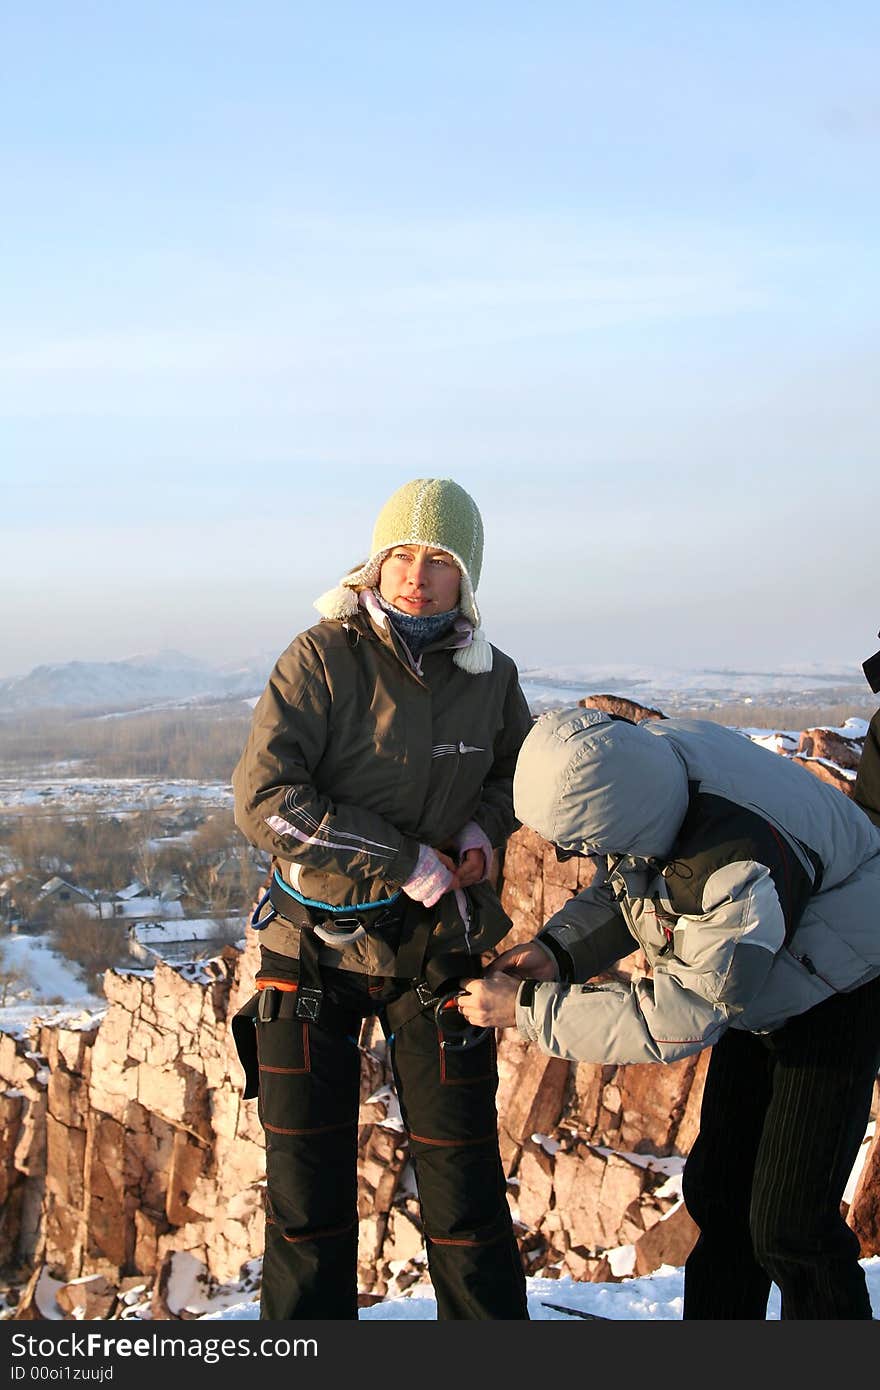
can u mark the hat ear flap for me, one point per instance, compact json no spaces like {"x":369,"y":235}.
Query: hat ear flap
{"x":467,"y":601}
{"x":337,"y":603}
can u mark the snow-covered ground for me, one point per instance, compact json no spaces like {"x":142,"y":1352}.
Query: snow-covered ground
{"x":656,"y":1297}
{"x":62,"y":791}
{"x":67,"y":795}
{"x":48,"y":986}
{"x":674,"y":688}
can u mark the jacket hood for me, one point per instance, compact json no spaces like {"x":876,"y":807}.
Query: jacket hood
{"x":592,"y":783}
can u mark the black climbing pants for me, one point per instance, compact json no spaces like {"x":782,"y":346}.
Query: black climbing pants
{"x":782,"y":1119}
{"x":309,"y":1082}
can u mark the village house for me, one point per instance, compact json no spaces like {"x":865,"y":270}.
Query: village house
{"x":135,"y":902}
{"x":191,"y":938}
{"x":62,"y":891}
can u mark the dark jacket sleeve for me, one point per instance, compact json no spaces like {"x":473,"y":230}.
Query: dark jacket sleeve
{"x":277,"y":805}
{"x":494,"y":814}
{"x":866,"y":792}
{"x":588,"y":935}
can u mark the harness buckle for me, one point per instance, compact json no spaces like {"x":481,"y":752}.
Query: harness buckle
{"x":308,"y":1003}
{"x":456,"y":1033}
{"x":266,"y":1006}
{"x":333,"y":931}
{"x":424,"y":993}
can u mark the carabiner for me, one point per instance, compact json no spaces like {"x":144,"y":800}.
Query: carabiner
{"x":456,"y":1033}
{"x":258,"y":922}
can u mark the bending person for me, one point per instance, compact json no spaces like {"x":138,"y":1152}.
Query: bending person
{"x":753,"y":889}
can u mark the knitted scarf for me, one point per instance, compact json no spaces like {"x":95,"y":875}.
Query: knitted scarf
{"x":417,"y":632}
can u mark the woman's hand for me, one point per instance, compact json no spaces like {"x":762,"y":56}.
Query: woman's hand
{"x":473,"y":852}
{"x":433,"y":876}
{"x":471,"y":868}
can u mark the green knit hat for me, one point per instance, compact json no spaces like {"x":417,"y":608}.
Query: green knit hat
{"x":436,"y":512}
{"x":426,"y":511}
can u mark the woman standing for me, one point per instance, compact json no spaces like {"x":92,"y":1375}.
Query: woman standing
{"x":378,"y":775}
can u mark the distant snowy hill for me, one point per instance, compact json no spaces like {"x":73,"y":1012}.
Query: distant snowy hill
{"x":150,"y":680}
{"x":138,"y":680}
{"x":673,"y":688}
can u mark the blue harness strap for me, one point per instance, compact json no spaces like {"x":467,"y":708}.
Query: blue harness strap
{"x":278,"y":882}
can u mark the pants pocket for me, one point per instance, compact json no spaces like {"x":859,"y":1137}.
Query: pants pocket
{"x":307,"y":1077}
{"x":468,"y":1066}
{"x":285,"y":1064}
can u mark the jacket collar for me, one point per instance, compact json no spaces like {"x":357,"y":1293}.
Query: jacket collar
{"x":460,"y":635}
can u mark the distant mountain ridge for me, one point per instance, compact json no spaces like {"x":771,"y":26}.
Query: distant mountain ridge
{"x":150,"y":679}
{"x":138,"y":680}
{"x":673,"y":688}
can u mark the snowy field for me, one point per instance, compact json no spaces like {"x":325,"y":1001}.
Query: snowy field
{"x":48,"y":987}
{"x":673,"y":688}
{"x":62,"y":792}
{"x":70,"y":795}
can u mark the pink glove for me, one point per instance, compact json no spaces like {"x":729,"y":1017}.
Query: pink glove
{"x":429,"y":880}
{"x":472,"y":836}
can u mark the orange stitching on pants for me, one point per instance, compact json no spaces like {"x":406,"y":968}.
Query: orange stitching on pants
{"x":310,"y":1235}
{"x":436,"y":1240}
{"x":322,"y":1129}
{"x":455,"y":1143}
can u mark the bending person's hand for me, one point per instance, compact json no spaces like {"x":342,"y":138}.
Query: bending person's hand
{"x":489,"y":1002}
{"x":530,"y":961}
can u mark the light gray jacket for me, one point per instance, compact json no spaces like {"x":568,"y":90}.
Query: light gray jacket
{"x":753,"y":887}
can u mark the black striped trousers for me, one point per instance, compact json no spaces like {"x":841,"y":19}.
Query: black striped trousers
{"x":782,"y":1119}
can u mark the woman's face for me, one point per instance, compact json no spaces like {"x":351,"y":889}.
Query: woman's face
{"x":419,"y":580}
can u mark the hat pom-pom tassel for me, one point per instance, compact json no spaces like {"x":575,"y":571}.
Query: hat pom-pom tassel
{"x":476,"y":657}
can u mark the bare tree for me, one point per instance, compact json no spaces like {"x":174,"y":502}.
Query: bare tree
{"x":144,"y":854}
{"x":13,"y":978}
{"x":92,"y":944}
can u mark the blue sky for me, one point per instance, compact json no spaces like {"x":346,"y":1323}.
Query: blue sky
{"x":614,"y":269}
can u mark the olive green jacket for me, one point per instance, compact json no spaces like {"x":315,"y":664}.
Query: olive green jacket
{"x":355,"y":759}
